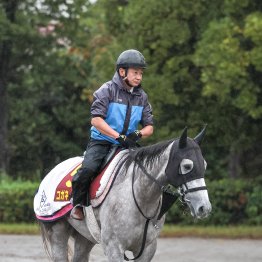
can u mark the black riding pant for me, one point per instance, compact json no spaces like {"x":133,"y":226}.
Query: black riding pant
{"x":96,"y":151}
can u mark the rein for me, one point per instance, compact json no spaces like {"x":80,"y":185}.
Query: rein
{"x":163,"y":189}
{"x":181,"y":192}
{"x":141,"y":212}
{"x":138,"y":207}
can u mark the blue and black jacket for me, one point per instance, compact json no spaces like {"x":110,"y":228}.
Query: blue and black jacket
{"x":122,"y":110}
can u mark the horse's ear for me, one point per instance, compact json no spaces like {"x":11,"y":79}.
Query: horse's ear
{"x":183,"y":139}
{"x":198,"y":139}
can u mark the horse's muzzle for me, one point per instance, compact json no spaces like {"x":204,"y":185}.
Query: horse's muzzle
{"x":203,"y":211}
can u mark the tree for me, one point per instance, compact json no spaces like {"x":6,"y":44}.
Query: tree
{"x":204,"y":66}
{"x":200,"y":70}
{"x":47,"y":72}
{"x":229,"y":57}
{"x":7,"y":19}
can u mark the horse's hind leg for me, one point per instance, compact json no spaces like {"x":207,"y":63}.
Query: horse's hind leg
{"x":57,"y":234}
{"x":82,"y":248}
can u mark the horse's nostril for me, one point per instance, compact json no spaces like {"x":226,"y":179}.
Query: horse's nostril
{"x":201,"y":210}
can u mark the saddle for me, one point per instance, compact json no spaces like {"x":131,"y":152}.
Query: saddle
{"x":112,"y":152}
{"x":52,"y":200}
{"x":101,"y":184}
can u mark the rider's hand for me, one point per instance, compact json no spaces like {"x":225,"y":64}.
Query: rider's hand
{"x":125,"y":142}
{"x":135,"y":136}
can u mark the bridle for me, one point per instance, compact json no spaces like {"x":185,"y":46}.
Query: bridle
{"x":181,"y":194}
{"x":182,"y":144}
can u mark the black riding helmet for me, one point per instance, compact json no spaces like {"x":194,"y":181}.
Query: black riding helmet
{"x":130,"y":58}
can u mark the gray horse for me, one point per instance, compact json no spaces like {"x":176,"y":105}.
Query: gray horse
{"x":128,"y":218}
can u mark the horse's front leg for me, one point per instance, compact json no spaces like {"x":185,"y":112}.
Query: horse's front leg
{"x":148,"y":252}
{"x":113,"y":250}
{"x":116,"y":254}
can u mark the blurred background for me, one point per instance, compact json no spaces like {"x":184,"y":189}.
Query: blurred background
{"x":204,"y":66}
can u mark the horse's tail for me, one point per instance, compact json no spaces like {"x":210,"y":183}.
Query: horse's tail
{"x":46,"y":231}
{"x":44,"y":228}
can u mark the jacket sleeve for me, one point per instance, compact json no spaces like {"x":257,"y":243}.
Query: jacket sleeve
{"x":100,"y":104}
{"x":147,"y":116}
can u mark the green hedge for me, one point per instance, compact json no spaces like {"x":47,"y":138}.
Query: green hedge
{"x":16,"y":200}
{"x":233,"y":202}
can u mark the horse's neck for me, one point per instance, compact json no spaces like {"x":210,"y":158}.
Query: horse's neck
{"x":147,"y":189}
{"x":157,"y":169}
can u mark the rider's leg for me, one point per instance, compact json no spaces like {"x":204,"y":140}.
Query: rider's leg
{"x":80,"y":183}
{"x":95,"y":153}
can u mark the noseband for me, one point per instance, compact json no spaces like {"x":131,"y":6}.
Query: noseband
{"x":183,"y":192}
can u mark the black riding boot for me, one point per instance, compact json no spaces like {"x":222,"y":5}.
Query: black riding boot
{"x":80,"y":185}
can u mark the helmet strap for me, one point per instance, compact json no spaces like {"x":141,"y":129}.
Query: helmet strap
{"x":125,"y":77}
{"x":126,"y":71}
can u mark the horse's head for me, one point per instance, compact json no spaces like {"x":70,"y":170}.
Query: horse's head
{"x":185,"y":170}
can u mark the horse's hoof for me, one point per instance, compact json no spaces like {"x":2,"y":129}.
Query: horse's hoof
{"x":77,"y":213}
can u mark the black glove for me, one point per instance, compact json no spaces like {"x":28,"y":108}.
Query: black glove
{"x":125,"y":142}
{"x":135,"y":136}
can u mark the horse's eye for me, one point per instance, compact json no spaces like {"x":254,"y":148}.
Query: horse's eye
{"x":186,"y":166}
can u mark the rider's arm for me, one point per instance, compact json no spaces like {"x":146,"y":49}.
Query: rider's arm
{"x":100,"y":124}
{"x":147,"y":119}
{"x":147,"y":131}
{"x":99,"y":110}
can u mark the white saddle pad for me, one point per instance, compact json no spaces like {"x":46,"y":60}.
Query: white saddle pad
{"x":55,"y":189}
{"x":48,"y":199}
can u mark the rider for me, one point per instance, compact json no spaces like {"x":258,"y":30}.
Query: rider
{"x":118,"y":107}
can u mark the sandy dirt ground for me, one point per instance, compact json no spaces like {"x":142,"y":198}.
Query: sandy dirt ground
{"x":23,"y":248}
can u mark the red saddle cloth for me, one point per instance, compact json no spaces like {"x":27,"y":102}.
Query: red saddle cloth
{"x":96,"y":183}
{"x":97,"y":191}
{"x":64,"y":188}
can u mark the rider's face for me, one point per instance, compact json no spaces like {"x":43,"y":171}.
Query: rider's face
{"x":134,"y":76}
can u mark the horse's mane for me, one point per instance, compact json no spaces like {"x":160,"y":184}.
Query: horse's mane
{"x":147,"y":154}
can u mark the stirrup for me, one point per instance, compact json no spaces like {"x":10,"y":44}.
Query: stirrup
{"x":78,"y":212}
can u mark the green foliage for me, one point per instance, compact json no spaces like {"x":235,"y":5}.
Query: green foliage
{"x":48,"y":119}
{"x":204,"y":231}
{"x":17,"y":201}
{"x":225,"y":61}
{"x":233,"y":202}
{"x":53,"y":113}
{"x":19,"y":228}
{"x":204,"y":66}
